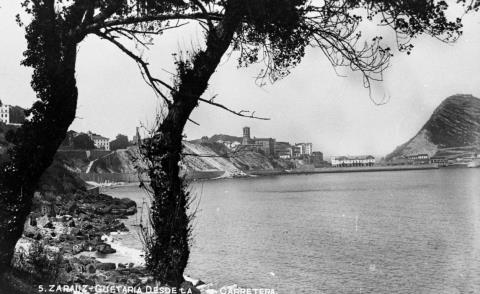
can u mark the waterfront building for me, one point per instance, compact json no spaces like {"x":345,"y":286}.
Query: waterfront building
{"x":265,"y":145}
{"x":100,"y":142}
{"x":418,"y":158}
{"x":350,"y":161}
{"x":305,"y":148}
{"x":296,"y":151}
{"x":440,"y":160}
{"x":5,"y":113}
{"x":317,"y":158}
{"x":283,"y":150}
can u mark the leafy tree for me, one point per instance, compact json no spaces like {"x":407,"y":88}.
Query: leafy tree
{"x":83,"y":141}
{"x":120,"y":142}
{"x":274,"y":32}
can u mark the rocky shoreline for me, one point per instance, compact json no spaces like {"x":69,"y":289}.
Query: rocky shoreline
{"x":61,"y":227}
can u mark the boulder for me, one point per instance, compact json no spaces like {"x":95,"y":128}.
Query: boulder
{"x":131,"y":210}
{"x":42,"y":221}
{"x":107,"y":266}
{"x":90,"y":268}
{"x":133,"y":280}
{"x":49,"y":225}
{"x":77,"y":248}
{"x":31,"y":232}
{"x":105,"y":249}
{"x":71,"y":206}
{"x":188,"y":287}
{"x":106,"y":209}
{"x":87,"y":226}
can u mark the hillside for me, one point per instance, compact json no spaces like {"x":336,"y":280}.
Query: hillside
{"x":200,"y":157}
{"x":219,"y":137}
{"x":58,"y":177}
{"x":455,"y":123}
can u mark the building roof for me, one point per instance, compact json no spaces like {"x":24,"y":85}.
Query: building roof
{"x":357,"y":157}
{"x":262,"y":139}
{"x":98,"y":137}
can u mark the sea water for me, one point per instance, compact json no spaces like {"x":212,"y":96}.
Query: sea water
{"x":372,"y":232}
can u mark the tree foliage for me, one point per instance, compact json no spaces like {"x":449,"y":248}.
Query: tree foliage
{"x":83,"y":141}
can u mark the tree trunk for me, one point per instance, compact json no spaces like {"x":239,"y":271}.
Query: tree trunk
{"x":168,"y":249}
{"x":36,"y":143}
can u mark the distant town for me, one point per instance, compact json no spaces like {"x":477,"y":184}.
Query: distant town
{"x":300,"y":154}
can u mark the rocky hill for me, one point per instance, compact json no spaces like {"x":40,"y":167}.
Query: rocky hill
{"x":454,"y":124}
{"x":214,"y":158}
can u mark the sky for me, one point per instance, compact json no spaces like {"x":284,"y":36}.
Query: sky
{"x":312,"y":104}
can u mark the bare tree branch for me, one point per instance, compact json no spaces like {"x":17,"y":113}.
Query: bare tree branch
{"x":143,"y":66}
{"x":242,"y":113}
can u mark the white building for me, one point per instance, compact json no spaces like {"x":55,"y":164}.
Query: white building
{"x":100,"y":142}
{"x":305,"y":148}
{"x":5,"y":114}
{"x":349,"y":161}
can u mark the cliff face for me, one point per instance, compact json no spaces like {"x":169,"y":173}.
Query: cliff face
{"x":200,"y":157}
{"x":455,"y":123}
{"x":119,"y":161}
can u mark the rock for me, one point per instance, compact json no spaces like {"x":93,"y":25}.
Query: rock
{"x":128,"y":202}
{"x":74,"y":231}
{"x":121,"y":266}
{"x":78,"y":267}
{"x":131,"y":211}
{"x":49,"y":225}
{"x":68,"y":267}
{"x":77,"y":248}
{"x":107,"y":266}
{"x":31,"y":232}
{"x":111,"y":276}
{"x":106,"y":209}
{"x":87,"y":226}
{"x":105,"y":249}
{"x":71,"y":206}
{"x":188,"y":287}
{"x":90,"y":268}
{"x":42,"y":221}
{"x":133,"y":281}
{"x":90,"y":281}
{"x":33,"y":221}
{"x":86,"y":260}
{"x":120,"y":227}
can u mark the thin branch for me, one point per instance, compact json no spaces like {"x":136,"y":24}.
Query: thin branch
{"x":242,"y":113}
{"x":151,"y":18}
{"x":142,"y":64}
{"x":204,"y":10}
